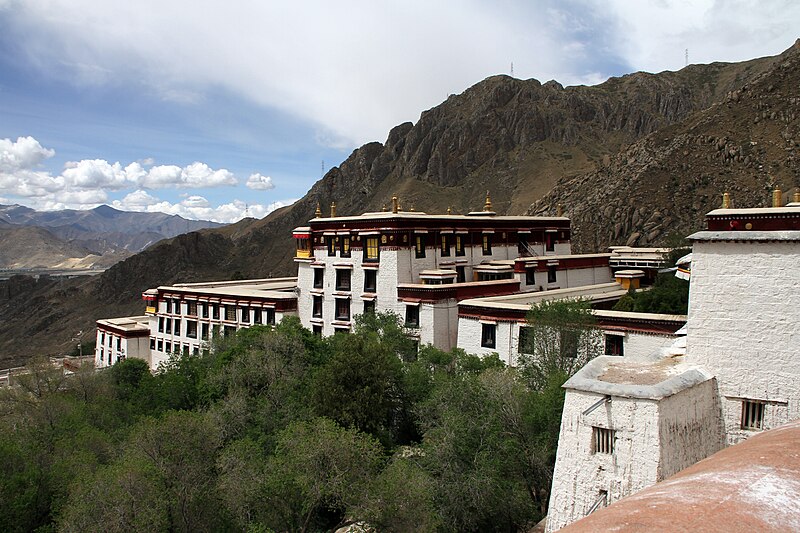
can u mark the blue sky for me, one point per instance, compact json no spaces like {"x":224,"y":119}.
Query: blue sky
{"x":214,"y":110}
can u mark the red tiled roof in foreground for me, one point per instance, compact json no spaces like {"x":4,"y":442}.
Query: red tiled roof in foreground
{"x":751,"y":486}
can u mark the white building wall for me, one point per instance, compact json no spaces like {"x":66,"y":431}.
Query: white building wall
{"x":580,"y":277}
{"x":581,"y":475}
{"x":744,"y":312}
{"x":639,"y":343}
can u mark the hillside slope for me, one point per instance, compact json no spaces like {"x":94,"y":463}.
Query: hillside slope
{"x":517,"y":138}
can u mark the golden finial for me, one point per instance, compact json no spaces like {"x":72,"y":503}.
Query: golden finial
{"x":726,"y":200}
{"x":487,"y":206}
{"x":777,"y":199}
{"x":796,"y":197}
{"x":384,"y":208}
{"x":395,"y":204}
{"x":449,"y":211}
{"x":559,"y":210}
{"x":412,"y":209}
{"x":333,"y":209}
{"x":318,"y":212}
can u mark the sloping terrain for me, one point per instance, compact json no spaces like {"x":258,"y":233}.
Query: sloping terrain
{"x":602,"y":150}
{"x":27,"y":247}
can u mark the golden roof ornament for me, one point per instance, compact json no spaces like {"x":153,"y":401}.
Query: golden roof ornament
{"x":333,"y":209}
{"x":487,"y":206}
{"x":395,"y":204}
{"x":796,"y":197}
{"x":777,"y":198}
{"x":559,"y":210}
{"x":449,"y":211}
{"x":384,"y":208}
{"x":726,"y":200}
{"x":318,"y":212}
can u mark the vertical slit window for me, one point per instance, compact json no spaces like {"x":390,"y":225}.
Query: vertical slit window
{"x":603,"y":440}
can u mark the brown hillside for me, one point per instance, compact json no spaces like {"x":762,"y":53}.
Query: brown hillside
{"x":517,"y":138}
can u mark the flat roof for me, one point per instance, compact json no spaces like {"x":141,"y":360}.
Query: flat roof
{"x":127,"y":323}
{"x":746,"y":235}
{"x":524,"y":300}
{"x":388,"y":215}
{"x":280,"y":288}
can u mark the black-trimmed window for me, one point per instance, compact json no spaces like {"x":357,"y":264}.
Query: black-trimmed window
{"x":344,"y":246}
{"x":230,"y":313}
{"x":488,"y":335}
{"x":160,"y":346}
{"x":412,"y":316}
{"x":160,"y":329}
{"x":169,"y":305}
{"x":168,"y":328}
{"x":445,"y":244}
{"x":419,"y":245}
{"x":549,"y":241}
{"x":246,"y":314}
{"x":603,"y":440}
{"x":168,"y":347}
{"x":215,"y":311}
{"x":343,"y":276}
{"x":369,"y":306}
{"x":204,"y":331}
{"x":191,"y":329}
{"x":319,"y":277}
{"x":316,"y":306}
{"x":370,"y":280}
{"x":371,"y":249}
{"x":331,"y":242}
{"x":204,"y":309}
{"x":191,"y":308}
{"x":486,"y":244}
{"x":461,"y":274}
{"x":615,"y":345}
{"x":343,"y":309}
{"x":568,"y":341}
{"x":460,"y":245}
{"x":552,"y":277}
{"x":530,"y":276}
{"x":525,"y":340}
{"x":256,"y":316}
{"x":177,"y":326}
{"x":752,"y":414}
{"x":270,"y":317}
{"x":317,"y":329}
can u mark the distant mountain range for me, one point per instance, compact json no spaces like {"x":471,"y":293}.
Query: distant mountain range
{"x":70,"y":238}
{"x":633,"y":160}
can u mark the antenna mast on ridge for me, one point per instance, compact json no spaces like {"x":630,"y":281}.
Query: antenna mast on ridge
{"x":687,"y":58}
{"x":512,"y":69}
{"x":323,"y":169}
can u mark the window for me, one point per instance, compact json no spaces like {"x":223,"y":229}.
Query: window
{"x":487,"y":244}
{"x":256,"y":316}
{"x":342,"y":309}
{"x":525,"y":340}
{"x":461,"y":274}
{"x":419,"y":245}
{"x":230,"y":313}
{"x":169,"y":325}
{"x":603,"y":440}
{"x":412,"y":316}
{"x":530,"y":276}
{"x":319,"y":276}
{"x":191,"y":329}
{"x":229,"y":331}
{"x":331,"y":241}
{"x":177,"y":328}
{"x":569,"y":343}
{"x":549,"y":242}
{"x":168,"y":347}
{"x":205,"y":309}
{"x":119,"y":344}
{"x":196,"y":351}
{"x":103,"y":336}
{"x":460,"y":245}
{"x":752,"y":414}
{"x":204,"y":331}
{"x":270,"y":317}
{"x":615,"y":344}
{"x":369,"y":306}
{"x":169,"y":305}
{"x":245,"y":314}
{"x":160,"y":346}
{"x":445,"y":241}
{"x":215,"y":311}
{"x":191,"y":308}
{"x":344,"y":246}
{"x":488,"y":335}
{"x":370,"y":280}
{"x":185,"y":349}
{"x":316,"y":309}
{"x":160,"y":326}
{"x":152,"y":343}
{"x":371,"y":250}
{"x":317,"y":330}
{"x":551,"y":274}
{"x":343,"y":279}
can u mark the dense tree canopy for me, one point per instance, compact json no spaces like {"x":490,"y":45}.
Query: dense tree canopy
{"x":276,"y":429}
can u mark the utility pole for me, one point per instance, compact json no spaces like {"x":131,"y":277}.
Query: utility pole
{"x":512,"y":69}
{"x":687,"y":58}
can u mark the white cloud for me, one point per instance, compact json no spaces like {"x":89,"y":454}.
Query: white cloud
{"x":23,"y":154}
{"x":96,"y":173}
{"x":197,"y":207}
{"x":257,"y":182}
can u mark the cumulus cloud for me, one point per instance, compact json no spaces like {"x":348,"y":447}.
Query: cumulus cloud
{"x":197,"y":207}
{"x":24,"y":153}
{"x":257,"y":182}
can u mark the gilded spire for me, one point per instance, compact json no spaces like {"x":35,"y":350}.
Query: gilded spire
{"x":333,"y":209}
{"x":726,"y":200}
{"x":777,"y":198}
{"x":559,"y":210}
{"x":384,"y":208}
{"x":449,"y":211}
{"x":395,"y":204}
{"x":487,"y":206}
{"x":318,"y":212}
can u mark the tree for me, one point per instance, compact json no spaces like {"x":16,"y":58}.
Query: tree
{"x":559,"y":339}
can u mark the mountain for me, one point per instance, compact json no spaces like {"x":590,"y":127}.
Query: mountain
{"x":681,"y":137}
{"x":32,"y":247}
{"x":105,"y":229}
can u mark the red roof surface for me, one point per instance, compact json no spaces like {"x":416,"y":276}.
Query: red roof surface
{"x":752,"y":486}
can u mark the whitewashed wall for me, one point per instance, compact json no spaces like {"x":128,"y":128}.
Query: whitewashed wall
{"x":744,"y":326}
